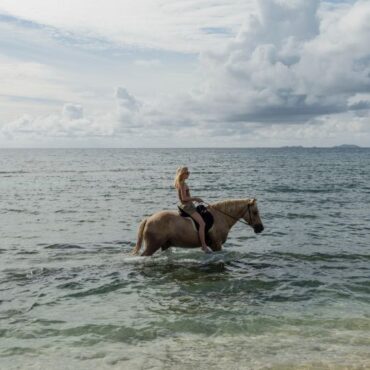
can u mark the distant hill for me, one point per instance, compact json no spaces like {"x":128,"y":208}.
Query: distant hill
{"x":343,"y":146}
{"x":347,"y":146}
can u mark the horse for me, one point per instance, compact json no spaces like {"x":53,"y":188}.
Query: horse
{"x":167,"y":228}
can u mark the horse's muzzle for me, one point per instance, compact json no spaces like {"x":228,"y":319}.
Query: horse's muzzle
{"x":258,"y":228}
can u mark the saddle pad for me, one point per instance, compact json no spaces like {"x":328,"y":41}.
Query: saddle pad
{"x":206,"y":215}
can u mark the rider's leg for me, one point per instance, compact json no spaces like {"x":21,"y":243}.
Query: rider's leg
{"x":197,"y":217}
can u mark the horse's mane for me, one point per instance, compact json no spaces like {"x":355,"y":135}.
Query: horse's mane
{"x":229,"y":205}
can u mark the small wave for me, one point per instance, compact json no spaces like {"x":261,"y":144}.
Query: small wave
{"x":322,"y":256}
{"x":152,"y":260}
{"x":100,"y":171}
{"x":310,"y":283}
{"x":235,"y":259}
{"x":174,"y":261}
{"x":70,"y":285}
{"x":103,"y":289}
{"x":18,"y":351}
{"x":287,"y":189}
{"x":63,"y":246}
{"x":175,"y":256}
{"x":300,"y":215}
{"x":12,"y":172}
{"x":18,"y":210}
{"x":27,"y":252}
{"x":23,"y":276}
{"x":65,"y":211}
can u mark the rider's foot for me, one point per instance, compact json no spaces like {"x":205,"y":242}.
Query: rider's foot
{"x":207,"y":249}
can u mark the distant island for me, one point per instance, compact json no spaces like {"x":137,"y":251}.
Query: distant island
{"x":343,"y":146}
{"x":347,"y":146}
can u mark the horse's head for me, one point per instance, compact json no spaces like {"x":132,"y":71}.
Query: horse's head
{"x":252,"y":216}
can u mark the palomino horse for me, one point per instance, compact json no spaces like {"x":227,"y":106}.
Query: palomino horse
{"x":167,"y":228}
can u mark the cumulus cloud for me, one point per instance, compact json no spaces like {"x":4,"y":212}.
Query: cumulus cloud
{"x":290,"y":64}
{"x":129,"y":109}
{"x":130,"y":116}
{"x":324,"y":130}
{"x":69,"y":122}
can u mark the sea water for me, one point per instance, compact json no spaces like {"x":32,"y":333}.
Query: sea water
{"x":296,"y":296}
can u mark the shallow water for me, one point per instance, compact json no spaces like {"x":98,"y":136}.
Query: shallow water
{"x":295,"y":296}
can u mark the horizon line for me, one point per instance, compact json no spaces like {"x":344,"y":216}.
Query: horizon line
{"x":343,"y":146}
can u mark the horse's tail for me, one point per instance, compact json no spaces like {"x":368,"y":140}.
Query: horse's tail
{"x":140,"y":234}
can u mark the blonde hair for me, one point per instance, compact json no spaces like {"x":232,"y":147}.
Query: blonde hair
{"x":179,"y":178}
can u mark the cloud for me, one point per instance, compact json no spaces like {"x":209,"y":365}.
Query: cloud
{"x":158,"y":24}
{"x":69,"y":122}
{"x":126,"y":101}
{"x":72,"y":112}
{"x":321,"y":131}
{"x":289,"y":63}
{"x":48,"y":66}
{"x":130,"y":116}
{"x":25,"y":83}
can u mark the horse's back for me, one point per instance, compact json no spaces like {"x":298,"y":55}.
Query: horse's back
{"x":163,"y":220}
{"x":163,"y":216}
{"x":170,"y":223}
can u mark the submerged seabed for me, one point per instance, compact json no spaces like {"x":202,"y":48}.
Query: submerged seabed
{"x":295,"y":297}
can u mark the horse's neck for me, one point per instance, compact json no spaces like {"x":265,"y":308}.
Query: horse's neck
{"x":231,"y":210}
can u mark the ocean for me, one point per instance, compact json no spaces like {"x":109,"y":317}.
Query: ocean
{"x":296,"y":296}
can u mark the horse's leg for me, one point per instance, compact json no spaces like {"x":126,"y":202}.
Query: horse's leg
{"x":166,"y":246}
{"x":150,"y":249}
{"x":216,"y":245}
{"x":151,"y":246}
{"x":215,"y":241}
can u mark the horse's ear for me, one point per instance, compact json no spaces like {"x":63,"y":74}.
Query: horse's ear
{"x":252,"y":201}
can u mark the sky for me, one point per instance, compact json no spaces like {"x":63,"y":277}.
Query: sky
{"x":194,"y":73}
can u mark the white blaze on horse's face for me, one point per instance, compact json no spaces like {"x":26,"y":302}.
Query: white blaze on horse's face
{"x":252,"y":216}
